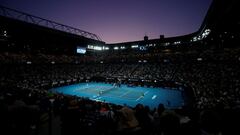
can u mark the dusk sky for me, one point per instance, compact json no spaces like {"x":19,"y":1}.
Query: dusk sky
{"x":120,"y":20}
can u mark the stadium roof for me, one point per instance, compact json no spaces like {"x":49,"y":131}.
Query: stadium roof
{"x":223,"y":14}
{"x":18,"y":15}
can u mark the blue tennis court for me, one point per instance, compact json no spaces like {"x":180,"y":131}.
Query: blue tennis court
{"x":130,"y":96}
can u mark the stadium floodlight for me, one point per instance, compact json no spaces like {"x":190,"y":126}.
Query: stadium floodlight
{"x":203,"y":35}
{"x":142,"y":48}
{"x":177,"y":42}
{"x":199,"y":59}
{"x":90,"y":47}
{"x":206,"y":33}
{"x":5,"y":33}
{"x":134,"y":46}
{"x":81,"y":50}
{"x":166,"y":44}
{"x":116,"y":48}
{"x":194,"y":39}
{"x":99,"y":48}
{"x":105,"y":48}
{"x":122,"y":47}
{"x":29,"y":62}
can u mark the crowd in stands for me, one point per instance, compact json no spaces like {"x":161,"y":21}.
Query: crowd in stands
{"x":213,"y":76}
{"x":23,"y":111}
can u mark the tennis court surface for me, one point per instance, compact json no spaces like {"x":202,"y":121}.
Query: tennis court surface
{"x":130,"y":96}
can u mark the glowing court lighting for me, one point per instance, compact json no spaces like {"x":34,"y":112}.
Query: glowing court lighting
{"x":29,"y":62}
{"x":105,"y":48}
{"x":122,"y":47}
{"x":134,"y":46}
{"x":199,"y":59}
{"x":116,"y":48}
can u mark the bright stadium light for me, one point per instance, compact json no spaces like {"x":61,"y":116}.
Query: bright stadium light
{"x":99,"y":48}
{"x":29,"y":62}
{"x":166,"y":44}
{"x":122,"y":47}
{"x":90,"y":47}
{"x":177,"y":42}
{"x":202,"y":36}
{"x":116,"y":48}
{"x":199,"y":59}
{"x":81,"y":50}
{"x":105,"y":48}
{"x":134,"y":46}
{"x":5,"y":33}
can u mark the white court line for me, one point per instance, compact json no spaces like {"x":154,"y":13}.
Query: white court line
{"x":139,"y":98}
{"x":146,"y":93}
{"x":97,"y":98}
{"x":153,"y":97}
{"x":125,"y":93}
{"x":142,"y":95}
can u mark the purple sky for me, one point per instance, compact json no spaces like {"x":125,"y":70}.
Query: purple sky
{"x":120,"y":20}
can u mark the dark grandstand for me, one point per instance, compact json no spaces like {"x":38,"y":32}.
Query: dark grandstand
{"x":38,"y":54}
